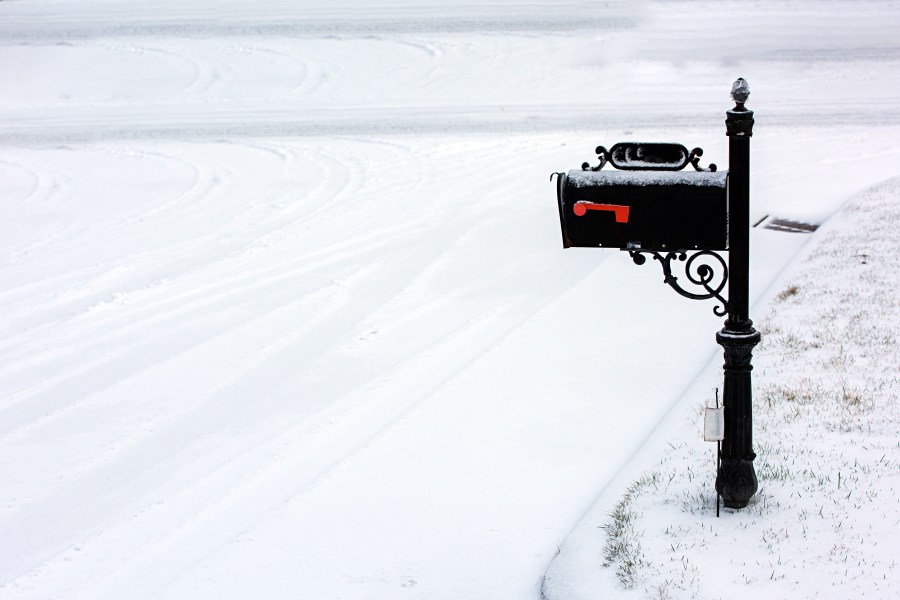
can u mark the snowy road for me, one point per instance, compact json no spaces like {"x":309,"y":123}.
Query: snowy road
{"x":283,"y":304}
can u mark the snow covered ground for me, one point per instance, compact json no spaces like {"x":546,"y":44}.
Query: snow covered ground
{"x":827,"y":423}
{"x":283,"y":304}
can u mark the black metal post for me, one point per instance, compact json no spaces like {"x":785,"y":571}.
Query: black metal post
{"x":736,"y":480}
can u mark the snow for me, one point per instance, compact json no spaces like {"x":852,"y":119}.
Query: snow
{"x":284,"y":308}
{"x":823,"y":523}
{"x":580,"y":178}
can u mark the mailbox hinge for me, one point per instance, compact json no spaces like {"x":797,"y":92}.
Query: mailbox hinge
{"x":710,"y":274}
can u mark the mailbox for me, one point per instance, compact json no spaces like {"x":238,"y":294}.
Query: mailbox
{"x":650,"y":207}
{"x":645,"y":207}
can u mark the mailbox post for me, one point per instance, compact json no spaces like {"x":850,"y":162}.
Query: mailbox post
{"x":736,"y":480}
{"x":650,"y":207}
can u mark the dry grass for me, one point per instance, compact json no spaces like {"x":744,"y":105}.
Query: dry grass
{"x":788,"y":292}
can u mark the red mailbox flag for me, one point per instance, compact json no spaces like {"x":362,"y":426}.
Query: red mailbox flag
{"x":581,"y":207}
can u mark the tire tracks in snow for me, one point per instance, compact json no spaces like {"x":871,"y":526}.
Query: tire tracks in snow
{"x":120,"y":329}
{"x":163,"y":442}
{"x":171,"y":308}
{"x":210,"y":124}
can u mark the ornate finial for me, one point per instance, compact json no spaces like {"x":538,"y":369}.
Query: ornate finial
{"x":740,"y":91}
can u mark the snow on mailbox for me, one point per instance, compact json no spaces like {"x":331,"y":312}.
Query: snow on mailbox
{"x":648,"y":204}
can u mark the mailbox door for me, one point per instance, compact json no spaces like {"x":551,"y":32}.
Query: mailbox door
{"x":648,"y":210}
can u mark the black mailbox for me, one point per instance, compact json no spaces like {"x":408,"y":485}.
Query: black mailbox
{"x":645,"y":207}
{"x":683,"y":220}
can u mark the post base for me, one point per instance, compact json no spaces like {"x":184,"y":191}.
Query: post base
{"x":736,"y":482}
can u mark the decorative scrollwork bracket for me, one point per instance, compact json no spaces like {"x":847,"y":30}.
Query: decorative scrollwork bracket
{"x":703,"y":275}
{"x":635,"y":156}
{"x":602,"y":155}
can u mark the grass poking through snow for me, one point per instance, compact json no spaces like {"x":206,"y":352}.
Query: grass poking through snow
{"x":826,"y":520}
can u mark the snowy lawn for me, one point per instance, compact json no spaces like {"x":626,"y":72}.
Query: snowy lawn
{"x":824,"y":523}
